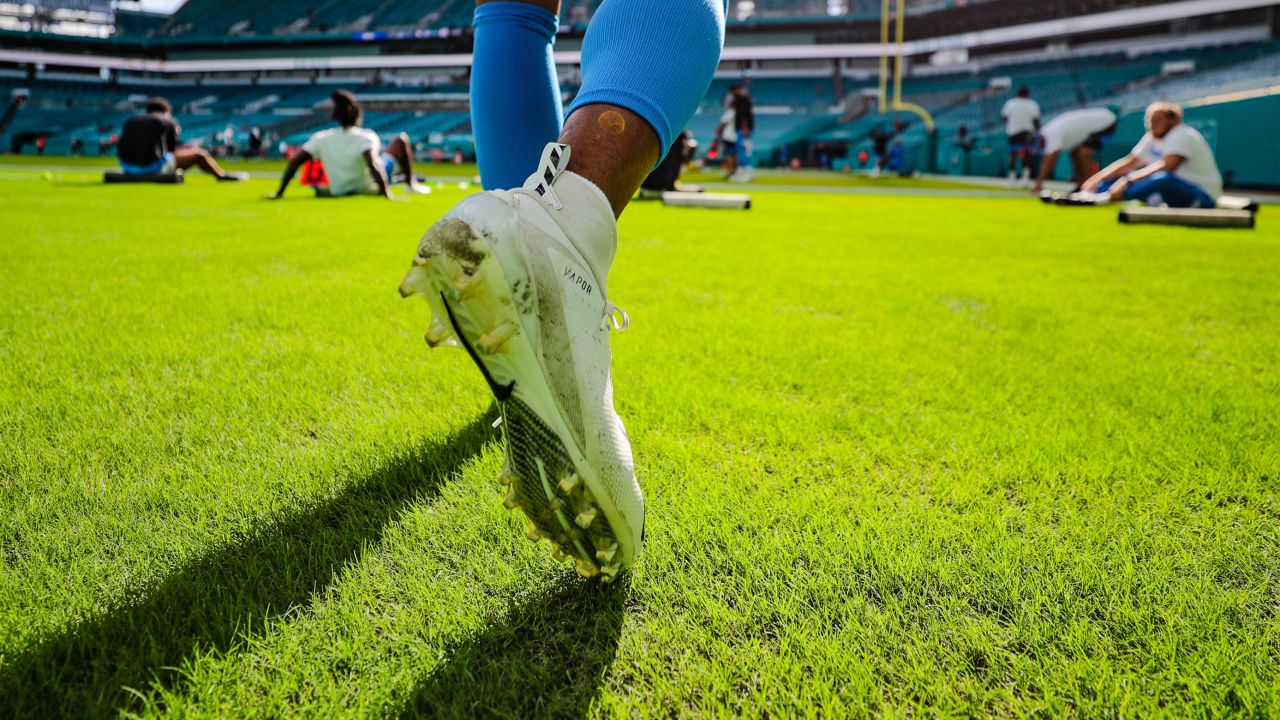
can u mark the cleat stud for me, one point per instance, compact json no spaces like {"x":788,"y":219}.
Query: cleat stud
{"x":413,"y":281}
{"x":558,"y":554}
{"x":440,"y":334}
{"x":569,"y":483}
{"x":587,"y":497}
{"x":466,"y":287}
{"x":509,"y":502}
{"x":607,"y":554}
{"x":585,"y":517}
{"x":492,"y":341}
{"x":556,"y":504}
{"x":585,"y":569}
{"x":504,"y":479}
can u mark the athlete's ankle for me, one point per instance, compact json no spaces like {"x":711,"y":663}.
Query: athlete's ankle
{"x":586,"y":217}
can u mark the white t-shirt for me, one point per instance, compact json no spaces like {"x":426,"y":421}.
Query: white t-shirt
{"x":1020,"y":115}
{"x":728,"y":133}
{"x":342,"y":150}
{"x":1070,"y":129}
{"x":1199,"y":167}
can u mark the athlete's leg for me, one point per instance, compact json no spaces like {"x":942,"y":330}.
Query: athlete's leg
{"x":188,"y":157}
{"x":730,"y":159}
{"x":518,"y":279}
{"x":646,"y":65}
{"x":744,"y":152}
{"x":401,"y":150}
{"x":515,"y":93}
{"x":1082,"y":164}
{"x":1015,"y":154}
{"x":1165,"y":188}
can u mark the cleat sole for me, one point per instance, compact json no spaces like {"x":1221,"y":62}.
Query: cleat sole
{"x":491,"y":342}
{"x":569,"y":484}
{"x":472,"y":307}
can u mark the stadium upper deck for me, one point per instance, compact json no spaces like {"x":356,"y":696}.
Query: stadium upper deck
{"x":222,"y":22}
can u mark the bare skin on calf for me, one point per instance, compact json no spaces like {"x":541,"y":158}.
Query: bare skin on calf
{"x":1082,"y":163}
{"x":613,"y":148}
{"x":187,"y":157}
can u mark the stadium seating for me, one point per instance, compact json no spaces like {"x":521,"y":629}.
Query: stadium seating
{"x":219,"y":18}
{"x":213,"y":18}
{"x":795,"y":111}
{"x":91,"y":110}
{"x":1063,"y":84}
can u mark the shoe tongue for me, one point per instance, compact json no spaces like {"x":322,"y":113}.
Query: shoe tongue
{"x":587,"y":219}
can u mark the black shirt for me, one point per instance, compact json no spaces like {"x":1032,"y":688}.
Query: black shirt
{"x":880,"y":141}
{"x":146,"y":138}
{"x":743,"y":116}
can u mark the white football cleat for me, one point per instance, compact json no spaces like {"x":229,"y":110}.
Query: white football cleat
{"x":517,"y":279}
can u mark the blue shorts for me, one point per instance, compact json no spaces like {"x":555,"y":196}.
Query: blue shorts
{"x":1022,"y":142}
{"x":165,"y":164}
{"x":744,"y":157}
{"x":389,"y":164}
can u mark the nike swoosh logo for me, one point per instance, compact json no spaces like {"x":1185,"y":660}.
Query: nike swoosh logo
{"x":501,"y":392}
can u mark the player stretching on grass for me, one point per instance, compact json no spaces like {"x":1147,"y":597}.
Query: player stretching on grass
{"x":517,"y":275}
{"x":1079,"y":133}
{"x":1171,"y":165}
{"x":149,"y":146}
{"x":353,"y":158}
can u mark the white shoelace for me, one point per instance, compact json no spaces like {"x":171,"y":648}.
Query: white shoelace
{"x":611,"y":314}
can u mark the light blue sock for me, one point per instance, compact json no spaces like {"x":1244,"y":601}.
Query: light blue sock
{"x":515,"y":93}
{"x":655,"y":58}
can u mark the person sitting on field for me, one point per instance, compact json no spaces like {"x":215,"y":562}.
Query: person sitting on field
{"x":1080,"y":133}
{"x":353,"y":158}
{"x":1171,"y":166}
{"x":148,"y":145}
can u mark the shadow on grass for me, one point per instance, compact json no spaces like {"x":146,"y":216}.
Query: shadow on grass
{"x":217,"y":600}
{"x":547,"y":658}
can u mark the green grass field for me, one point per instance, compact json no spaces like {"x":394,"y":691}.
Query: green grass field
{"x":904,"y":457}
{"x":467,"y":171}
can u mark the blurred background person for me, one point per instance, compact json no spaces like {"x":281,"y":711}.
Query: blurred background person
{"x":148,"y":145}
{"x":1080,"y":134}
{"x":1021,"y":117}
{"x":1171,"y":165}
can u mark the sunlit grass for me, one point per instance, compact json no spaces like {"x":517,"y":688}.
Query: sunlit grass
{"x":903,"y":456}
